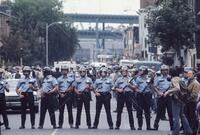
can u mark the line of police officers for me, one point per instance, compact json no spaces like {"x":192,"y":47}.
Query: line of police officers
{"x":131,"y":91}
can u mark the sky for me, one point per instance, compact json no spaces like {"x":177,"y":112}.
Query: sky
{"x":120,"y":7}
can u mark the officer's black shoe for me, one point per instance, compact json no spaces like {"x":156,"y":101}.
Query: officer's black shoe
{"x":33,"y":127}
{"x":76,"y":127}
{"x":22,"y":127}
{"x":1,"y":124}
{"x":71,"y":126}
{"x":94,"y":127}
{"x":151,"y":129}
{"x":89,"y":127}
{"x":155,"y":126}
{"x":117,"y":128}
{"x":111,"y":127}
{"x":115,"y":111}
{"x":181,"y":132}
{"x":59,"y":127}
{"x":164,"y":119}
{"x":40,"y":127}
{"x":54,"y":127}
{"x":140,"y":128}
{"x":132,"y":128}
{"x":7,"y":128}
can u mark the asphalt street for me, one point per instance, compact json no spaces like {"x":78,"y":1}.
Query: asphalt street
{"x":15,"y":121}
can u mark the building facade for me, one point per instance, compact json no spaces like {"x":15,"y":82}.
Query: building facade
{"x":196,"y":7}
{"x":147,"y":51}
{"x":146,"y":3}
{"x":87,"y":50}
{"x":4,"y":27}
{"x":131,"y":40}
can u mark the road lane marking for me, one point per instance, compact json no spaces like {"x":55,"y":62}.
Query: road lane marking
{"x":54,"y":132}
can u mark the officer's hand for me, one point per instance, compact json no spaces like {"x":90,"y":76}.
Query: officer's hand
{"x":165,"y":94}
{"x":160,"y":94}
{"x":42,"y":94}
{"x":31,"y":86}
{"x":78,"y":93}
{"x":49,"y":92}
{"x":89,"y":87}
{"x":21,"y":96}
{"x":70,"y":89}
{"x":138,"y":91}
{"x":62,"y":95}
{"x":120,"y":90}
{"x":97,"y":94}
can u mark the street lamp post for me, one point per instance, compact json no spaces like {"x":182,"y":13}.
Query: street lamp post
{"x":21,"y":57}
{"x":47,"y":46}
{"x":47,"y":39}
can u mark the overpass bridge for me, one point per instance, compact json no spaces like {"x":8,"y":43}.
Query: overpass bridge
{"x":101,"y":34}
{"x":106,"y":34}
{"x":94,"y":18}
{"x":103,"y":19}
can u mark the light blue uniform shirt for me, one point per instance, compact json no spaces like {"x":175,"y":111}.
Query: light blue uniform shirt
{"x":49,"y":83}
{"x":143,"y":84}
{"x":3,"y":86}
{"x":82,"y":82}
{"x":64,"y":83}
{"x":23,"y":84}
{"x":123,"y":83}
{"x":162,"y":83}
{"x":103,"y":85}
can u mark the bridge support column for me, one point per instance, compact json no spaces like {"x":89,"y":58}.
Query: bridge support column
{"x":97,"y":40}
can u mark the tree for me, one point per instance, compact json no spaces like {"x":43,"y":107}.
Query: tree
{"x":172,"y":25}
{"x":29,"y":18}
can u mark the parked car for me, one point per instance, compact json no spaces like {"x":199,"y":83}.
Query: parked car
{"x":12,"y":99}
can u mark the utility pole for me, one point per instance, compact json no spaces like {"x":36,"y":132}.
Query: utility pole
{"x":21,"y":56}
{"x":197,"y":35}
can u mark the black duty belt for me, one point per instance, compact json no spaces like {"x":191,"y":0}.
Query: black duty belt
{"x":104,"y":93}
{"x":2,"y":94}
{"x":84,"y":92}
{"x":26,"y":93}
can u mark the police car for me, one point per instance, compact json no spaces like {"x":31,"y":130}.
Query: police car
{"x":12,"y":99}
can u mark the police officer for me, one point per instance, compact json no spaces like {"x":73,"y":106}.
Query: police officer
{"x":25,"y":88}
{"x":143,"y":96}
{"x":163,"y":84}
{"x":3,"y":88}
{"x":124,"y":89}
{"x":48,"y":98}
{"x":66,"y":86}
{"x":103,"y":88}
{"x":83,"y":90}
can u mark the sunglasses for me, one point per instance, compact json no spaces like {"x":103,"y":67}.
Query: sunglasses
{"x":83,"y":71}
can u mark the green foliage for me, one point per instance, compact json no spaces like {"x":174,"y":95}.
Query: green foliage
{"x":172,"y":25}
{"x":29,"y":22}
{"x":67,"y":37}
